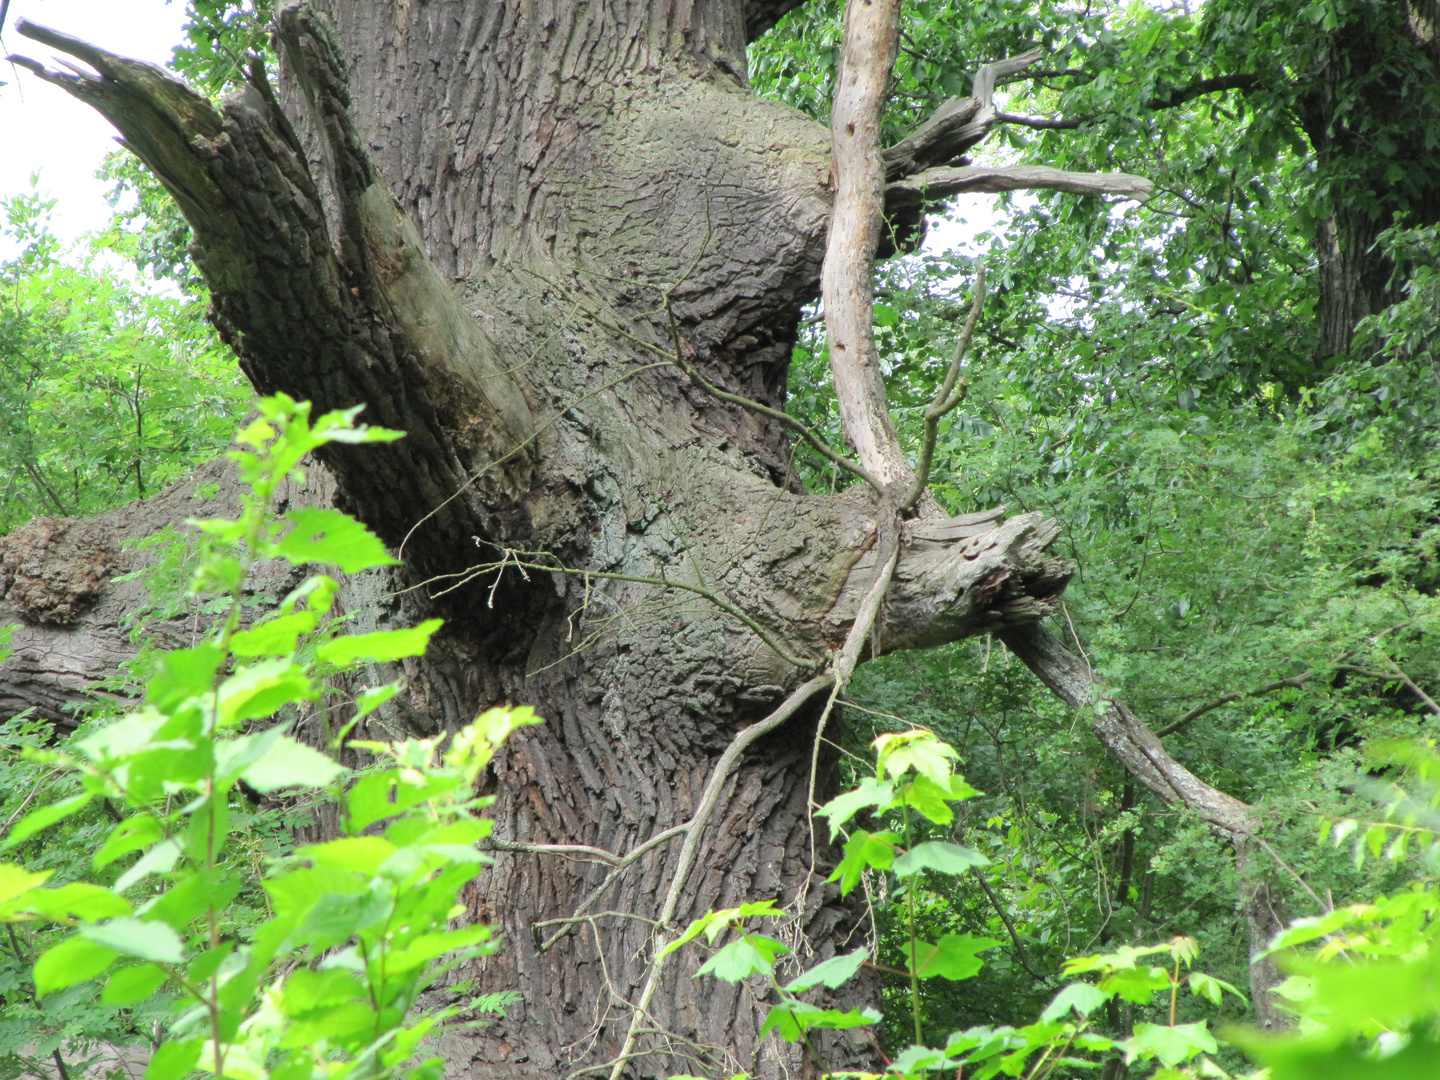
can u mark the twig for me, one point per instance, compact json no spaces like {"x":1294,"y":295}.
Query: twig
{"x":849,"y":657}
{"x":720,"y":601}
{"x":632,"y":857}
{"x":539,"y":430}
{"x":1236,"y":695}
{"x":951,"y":393}
{"x":1009,"y":926}
{"x":591,"y":854}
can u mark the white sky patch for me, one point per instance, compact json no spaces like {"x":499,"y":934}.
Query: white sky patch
{"x":45,"y":130}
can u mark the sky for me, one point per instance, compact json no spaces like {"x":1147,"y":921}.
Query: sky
{"x":44,"y":130}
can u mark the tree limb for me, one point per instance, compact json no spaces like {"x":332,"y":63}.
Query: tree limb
{"x":1175,"y":98}
{"x":866,"y":58}
{"x":956,"y":125}
{"x":933,"y":185}
{"x":1226,"y":699}
{"x":320,"y":281}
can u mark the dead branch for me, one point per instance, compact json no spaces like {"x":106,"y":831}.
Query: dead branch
{"x":866,"y":58}
{"x":933,"y":185}
{"x":955,"y":126}
{"x":951,"y":393}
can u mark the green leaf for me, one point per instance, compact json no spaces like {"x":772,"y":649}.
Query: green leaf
{"x":940,"y":856}
{"x":791,"y":1019}
{"x":192,"y":896}
{"x":869,"y":793}
{"x":830,"y":972}
{"x":174,"y":1060}
{"x":326,"y":535}
{"x":379,"y":795}
{"x":381,"y":645}
{"x":953,"y":957}
{"x":130,"y":985}
{"x":46,"y":816}
{"x":1082,"y":997}
{"x":1172,"y":1045}
{"x":361,"y":854}
{"x":158,"y":860}
{"x":429,"y":947}
{"x":147,"y":940}
{"x":16,"y":882}
{"x":74,"y":960}
{"x":290,"y":763}
{"x":132,"y":834}
{"x":259,"y":690}
{"x":864,"y":851}
{"x":274,"y":637}
{"x":917,"y":751}
{"x":927,"y":798}
{"x":78,"y":900}
{"x":183,"y":674}
{"x":753,"y":954}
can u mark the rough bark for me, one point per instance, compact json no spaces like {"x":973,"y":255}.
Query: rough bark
{"x":487,"y":248}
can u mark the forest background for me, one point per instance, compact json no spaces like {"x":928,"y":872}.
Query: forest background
{"x":1250,"y":495}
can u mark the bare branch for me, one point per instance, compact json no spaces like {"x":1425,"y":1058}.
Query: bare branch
{"x":1225,"y":699}
{"x":935,"y":184}
{"x":696,"y":826}
{"x":956,"y":125}
{"x":871,"y":39}
{"x":1175,"y":98}
{"x":947,"y":398}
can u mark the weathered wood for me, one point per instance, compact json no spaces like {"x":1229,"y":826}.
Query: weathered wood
{"x":932,"y":185}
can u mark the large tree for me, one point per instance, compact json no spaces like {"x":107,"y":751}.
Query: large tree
{"x":566,"y":249}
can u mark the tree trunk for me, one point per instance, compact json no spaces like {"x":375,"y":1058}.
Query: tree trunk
{"x":1367,"y":113}
{"x":507,"y":231}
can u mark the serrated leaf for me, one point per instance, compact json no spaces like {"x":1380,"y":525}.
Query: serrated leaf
{"x":379,"y":646}
{"x":275,"y":637}
{"x":78,"y":900}
{"x":72,"y":961}
{"x":327,"y":535}
{"x":940,"y":856}
{"x":870,"y":792}
{"x":920,"y":751}
{"x":133,"y":984}
{"x":830,"y":973}
{"x":132,"y":834}
{"x":864,"y":851}
{"x":360,"y":854}
{"x":259,"y":690}
{"x":1081,"y":997}
{"x":290,"y":763}
{"x":1171,"y":1045}
{"x":157,"y":860}
{"x":753,"y":954}
{"x":174,"y":1059}
{"x":16,"y":882}
{"x":148,"y":940}
{"x":182,"y":674}
{"x":46,"y":816}
{"x":954,"y":957}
